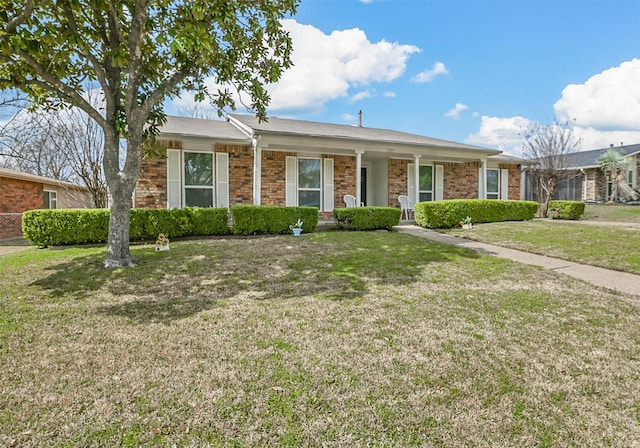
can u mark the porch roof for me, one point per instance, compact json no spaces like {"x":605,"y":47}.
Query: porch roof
{"x":281,"y":132}
{"x":196,"y":127}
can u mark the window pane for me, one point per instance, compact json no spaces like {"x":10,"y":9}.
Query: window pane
{"x":198,"y":168}
{"x":426,"y":178}
{"x":198,"y":197}
{"x":309,"y":173}
{"x":424,"y":197}
{"x":492,"y":181}
{"x":50,"y":199}
{"x":309,"y":198}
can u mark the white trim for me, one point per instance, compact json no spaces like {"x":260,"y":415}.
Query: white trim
{"x":439,"y":183}
{"x":504,"y":184}
{"x":328,"y":181}
{"x":174,"y":178}
{"x":221,"y":179}
{"x":291,"y":181}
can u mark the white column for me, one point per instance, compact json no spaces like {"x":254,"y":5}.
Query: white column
{"x":358,"y":176}
{"x":416,"y":178}
{"x":257,"y":170}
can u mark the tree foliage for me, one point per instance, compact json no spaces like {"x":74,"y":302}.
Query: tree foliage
{"x":139,"y":53}
{"x":615,"y":165}
{"x":547,"y":148}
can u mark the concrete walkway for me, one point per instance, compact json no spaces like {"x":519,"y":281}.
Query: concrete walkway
{"x":615,"y":280}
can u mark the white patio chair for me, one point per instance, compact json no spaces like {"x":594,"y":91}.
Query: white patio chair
{"x":406,"y":206}
{"x":350,"y":200}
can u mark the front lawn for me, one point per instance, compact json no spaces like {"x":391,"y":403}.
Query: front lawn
{"x":610,"y":247}
{"x":330,"y":339}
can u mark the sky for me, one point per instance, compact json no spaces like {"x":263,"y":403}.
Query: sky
{"x":472,"y":71}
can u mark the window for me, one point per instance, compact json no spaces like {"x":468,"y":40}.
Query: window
{"x":197,"y":179}
{"x":50,"y":199}
{"x":425,"y":183}
{"x":493,"y":183}
{"x":309,"y":185}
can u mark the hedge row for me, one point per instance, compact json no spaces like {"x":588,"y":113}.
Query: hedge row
{"x":449,"y":213}
{"x":80,"y":226}
{"x":257,"y":219}
{"x":367,"y":218}
{"x":566,"y":209}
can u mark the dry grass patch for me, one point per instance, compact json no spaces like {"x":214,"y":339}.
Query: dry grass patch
{"x":331,"y":339}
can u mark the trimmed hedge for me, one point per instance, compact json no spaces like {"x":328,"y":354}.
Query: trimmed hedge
{"x":566,"y":209}
{"x":260,"y":219}
{"x":449,"y":213}
{"x":81,"y":226}
{"x":367,"y":218}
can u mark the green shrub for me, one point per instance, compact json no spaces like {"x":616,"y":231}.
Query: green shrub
{"x":566,"y":209}
{"x":260,"y":219}
{"x":367,"y":218}
{"x":81,"y":226}
{"x":449,"y":213}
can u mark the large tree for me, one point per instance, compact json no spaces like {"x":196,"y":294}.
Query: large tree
{"x":547,"y":147}
{"x":139,"y":53}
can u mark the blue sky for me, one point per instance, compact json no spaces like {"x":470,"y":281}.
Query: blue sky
{"x":475,"y":71}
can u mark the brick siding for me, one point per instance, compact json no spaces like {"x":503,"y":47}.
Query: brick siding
{"x":461,"y":180}
{"x":344,"y":178}
{"x":274,"y":177}
{"x":397,"y":180}
{"x":240,"y":173}
{"x":17,"y":195}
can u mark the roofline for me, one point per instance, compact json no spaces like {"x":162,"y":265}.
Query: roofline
{"x":21,"y":175}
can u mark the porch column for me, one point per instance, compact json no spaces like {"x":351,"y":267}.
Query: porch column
{"x":482,"y":180}
{"x":416,"y":179}
{"x":358,"y":176}
{"x":257,"y":170}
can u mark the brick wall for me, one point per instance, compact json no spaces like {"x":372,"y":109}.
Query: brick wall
{"x":18,"y":195}
{"x":397,"y":180}
{"x":344,"y":178}
{"x":274,"y":177}
{"x":151,"y":189}
{"x":461,"y":180}
{"x":240,"y":173}
{"x":514,"y":180}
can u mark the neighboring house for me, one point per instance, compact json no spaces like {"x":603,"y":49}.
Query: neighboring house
{"x":212,"y":163}
{"x":586,"y":181}
{"x":20,"y":192}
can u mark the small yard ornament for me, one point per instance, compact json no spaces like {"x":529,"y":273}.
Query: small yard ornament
{"x":297,"y":228}
{"x":162,"y":243}
{"x":466,"y":223}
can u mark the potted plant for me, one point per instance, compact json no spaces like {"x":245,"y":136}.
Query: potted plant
{"x":466,"y":223}
{"x":297,"y":228}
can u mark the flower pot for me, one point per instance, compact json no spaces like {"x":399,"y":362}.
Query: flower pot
{"x":162,"y":247}
{"x":467,"y":226}
{"x":297,"y":232}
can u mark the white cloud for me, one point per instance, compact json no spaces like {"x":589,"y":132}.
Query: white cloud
{"x":362,"y":95}
{"x":502,"y":133}
{"x":457,"y":110}
{"x":604,"y":110}
{"x":607,"y":101}
{"x":327,"y":66}
{"x":389,"y":94}
{"x":430,"y":74}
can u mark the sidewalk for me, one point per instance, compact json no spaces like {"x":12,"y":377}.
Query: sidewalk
{"x":618,"y":281}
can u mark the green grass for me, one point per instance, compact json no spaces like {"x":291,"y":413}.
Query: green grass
{"x":609,"y":212}
{"x":330,"y":339}
{"x":607,"y":246}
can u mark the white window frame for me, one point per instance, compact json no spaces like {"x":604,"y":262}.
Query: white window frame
{"x":411,"y":182}
{"x":177,"y":189}
{"x":492,"y":194}
{"x":314,"y":189}
{"x":53,"y":199}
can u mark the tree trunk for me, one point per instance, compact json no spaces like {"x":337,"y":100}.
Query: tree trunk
{"x":121,"y":183}
{"x":118,"y":253}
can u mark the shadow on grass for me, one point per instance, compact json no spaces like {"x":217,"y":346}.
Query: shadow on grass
{"x":195,"y":275}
